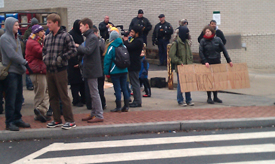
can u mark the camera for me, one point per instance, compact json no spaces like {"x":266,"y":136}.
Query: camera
{"x":122,"y":31}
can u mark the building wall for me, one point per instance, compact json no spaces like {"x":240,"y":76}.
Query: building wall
{"x":252,"y":19}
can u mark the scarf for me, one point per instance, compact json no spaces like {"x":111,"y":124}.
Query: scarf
{"x":209,"y":37}
{"x":36,"y":38}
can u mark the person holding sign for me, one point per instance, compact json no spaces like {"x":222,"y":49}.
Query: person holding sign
{"x":209,"y":51}
{"x":180,"y":54}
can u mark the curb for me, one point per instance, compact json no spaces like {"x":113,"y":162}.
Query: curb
{"x":119,"y":129}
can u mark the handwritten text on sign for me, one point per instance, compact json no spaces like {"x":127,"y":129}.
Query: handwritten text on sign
{"x":217,"y":77}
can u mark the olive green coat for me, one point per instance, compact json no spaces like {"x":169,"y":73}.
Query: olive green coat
{"x":180,"y":53}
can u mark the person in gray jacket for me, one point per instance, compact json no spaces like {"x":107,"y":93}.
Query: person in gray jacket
{"x":13,"y":87}
{"x":92,"y":68}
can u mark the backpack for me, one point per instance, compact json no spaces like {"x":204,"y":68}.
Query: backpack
{"x":122,"y":58}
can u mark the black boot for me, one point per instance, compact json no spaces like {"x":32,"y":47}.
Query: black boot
{"x":126,"y":106}
{"x":209,"y":99}
{"x":216,"y":99}
{"x":118,"y":106}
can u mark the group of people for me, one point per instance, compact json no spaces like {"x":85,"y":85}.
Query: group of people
{"x":211,"y":42}
{"x":60,"y":58}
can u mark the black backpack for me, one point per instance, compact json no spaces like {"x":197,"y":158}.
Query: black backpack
{"x":122,"y":59}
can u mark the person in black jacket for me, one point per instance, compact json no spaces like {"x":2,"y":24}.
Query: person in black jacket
{"x":143,"y":23}
{"x":134,"y":46}
{"x":218,"y":32}
{"x":74,"y":74}
{"x":161,"y":36}
{"x":104,"y":26}
{"x":209,"y":51}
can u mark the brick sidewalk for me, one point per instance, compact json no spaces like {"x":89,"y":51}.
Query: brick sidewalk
{"x":167,"y":115}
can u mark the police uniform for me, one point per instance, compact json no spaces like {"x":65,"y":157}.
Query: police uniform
{"x":161,"y":36}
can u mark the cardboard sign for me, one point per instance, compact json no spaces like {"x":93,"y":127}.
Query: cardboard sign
{"x":216,"y":77}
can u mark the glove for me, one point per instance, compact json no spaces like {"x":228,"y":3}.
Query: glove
{"x":29,"y":69}
{"x":108,"y":76}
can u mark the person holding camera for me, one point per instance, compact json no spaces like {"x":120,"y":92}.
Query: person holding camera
{"x":161,"y":36}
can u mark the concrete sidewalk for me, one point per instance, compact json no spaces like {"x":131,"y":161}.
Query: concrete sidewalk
{"x":248,"y":108}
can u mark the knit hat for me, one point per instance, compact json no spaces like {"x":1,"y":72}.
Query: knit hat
{"x":36,"y":29}
{"x":140,"y":11}
{"x":114,"y":29}
{"x":34,"y":21}
{"x":113,"y":36}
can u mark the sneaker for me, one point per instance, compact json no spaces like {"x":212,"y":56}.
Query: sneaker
{"x":54,"y":124}
{"x":190,"y":103}
{"x":68,"y":125}
{"x":183,"y":104}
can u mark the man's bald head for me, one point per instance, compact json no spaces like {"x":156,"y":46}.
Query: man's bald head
{"x":106,"y":19}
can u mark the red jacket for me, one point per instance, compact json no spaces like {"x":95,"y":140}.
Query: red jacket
{"x":34,"y":57}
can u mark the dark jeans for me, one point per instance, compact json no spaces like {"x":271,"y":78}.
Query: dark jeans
{"x":28,"y":82}
{"x":162,"y":45}
{"x":120,"y":84}
{"x":76,"y":89}
{"x":13,"y":89}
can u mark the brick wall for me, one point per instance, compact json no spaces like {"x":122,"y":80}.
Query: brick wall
{"x":254,"y":20}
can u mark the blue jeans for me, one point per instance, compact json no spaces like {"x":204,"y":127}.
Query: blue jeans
{"x":13,"y":89}
{"x":162,"y":45}
{"x":180,"y":98}
{"x":120,"y":84}
{"x":28,"y":82}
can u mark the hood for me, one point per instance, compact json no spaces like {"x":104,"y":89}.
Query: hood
{"x":1,"y":32}
{"x":117,"y":42}
{"x":76,"y":26}
{"x":9,"y":23}
{"x":183,"y":33}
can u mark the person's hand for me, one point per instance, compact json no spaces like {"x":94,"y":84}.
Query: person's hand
{"x":153,"y":43}
{"x":143,"y":28}
{"x":76,"y":66}
{"x":207,"y":65}
{"x":231,"y":64}
{"x":161,"y":29}
{"x":77,"y":45}
{"x":108,"y":76}
{"x":181,"y":64}
{"x":125,"y":38}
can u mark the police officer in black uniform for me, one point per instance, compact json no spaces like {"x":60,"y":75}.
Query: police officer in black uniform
{"x":142,"y":22}
{"x":161,"y":36}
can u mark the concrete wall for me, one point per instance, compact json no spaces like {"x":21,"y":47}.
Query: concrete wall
{"x":252,"y":19}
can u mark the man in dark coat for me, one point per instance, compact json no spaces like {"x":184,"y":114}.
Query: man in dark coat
{"x":104,"y":26}
{"x":143,"y":23}
{"x":92,"y":68}
{"x":74,"y":74}
{"x":161,"y":36}
{"x":135,"y":47}
{"x":219,"y":32}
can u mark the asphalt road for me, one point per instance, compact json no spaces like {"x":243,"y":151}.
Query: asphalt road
{"x":221,"y":146}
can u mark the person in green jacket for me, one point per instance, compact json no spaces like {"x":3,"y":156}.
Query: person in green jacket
{"x":118,"y":75}
{"x":180,"y":54}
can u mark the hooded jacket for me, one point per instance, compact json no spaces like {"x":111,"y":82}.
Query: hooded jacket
{"x":180,"y":53}
{"x":74,"y":75}
{"x":109,"y":66}
{"x":11,"y":49}
{"x":60,"y":45}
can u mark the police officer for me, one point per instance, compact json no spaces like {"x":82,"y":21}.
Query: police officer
{"x":161,"y":36}
{"x":142,"y":22}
